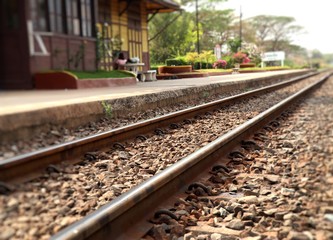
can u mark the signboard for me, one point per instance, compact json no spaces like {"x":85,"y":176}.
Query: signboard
{"x":217,"y":51}
{"x":273,"y":56}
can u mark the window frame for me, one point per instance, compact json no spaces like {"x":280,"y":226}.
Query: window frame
{"x":68,"y":17}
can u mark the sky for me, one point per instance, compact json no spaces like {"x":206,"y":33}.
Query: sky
{"x":316,"y":17}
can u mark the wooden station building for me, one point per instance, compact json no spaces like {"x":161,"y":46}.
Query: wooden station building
{"x":42,"y":35}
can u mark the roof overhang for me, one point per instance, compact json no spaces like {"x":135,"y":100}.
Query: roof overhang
{"x":162,"y":6}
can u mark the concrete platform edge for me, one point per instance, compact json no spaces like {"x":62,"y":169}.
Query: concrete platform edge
{"x":27,"y":124}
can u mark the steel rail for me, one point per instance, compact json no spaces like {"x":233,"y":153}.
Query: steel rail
{"x":116,"y":219}
{"x":27,"y":166}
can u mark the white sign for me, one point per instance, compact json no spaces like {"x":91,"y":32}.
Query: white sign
{"x":273,"y":56}
{"x":217,"y":51}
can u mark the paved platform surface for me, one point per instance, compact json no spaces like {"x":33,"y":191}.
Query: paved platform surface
{"x":12,"y":102}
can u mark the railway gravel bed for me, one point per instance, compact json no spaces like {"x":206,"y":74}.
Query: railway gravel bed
{"x":58,"y":134}
{"x":40,"y":208}
{"x":281,"y":191}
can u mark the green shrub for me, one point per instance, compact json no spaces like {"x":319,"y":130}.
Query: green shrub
{"x":197,"y":65}
{"x":234,"y":44}
{"x":203,"y":60}
{"x":179,"y":61}
{"x":153,"y":68}
{"x":206,"y":58}
{"x":183,"y":60}
{"x":172,"y":62}
{"x":206,"y":65}
{"x":192,"y":57}
{"x":202,"y":65}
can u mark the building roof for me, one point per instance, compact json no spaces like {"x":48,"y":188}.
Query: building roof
{"x":162,"y":6}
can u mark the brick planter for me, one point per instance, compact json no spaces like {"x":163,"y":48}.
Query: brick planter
{"x":174,"y":69}
{"x":247,"y":65}
{"x":66,"y":80}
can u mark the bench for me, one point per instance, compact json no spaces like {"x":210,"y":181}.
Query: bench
{"x":133,"y":67}
{"x":147,"y":76}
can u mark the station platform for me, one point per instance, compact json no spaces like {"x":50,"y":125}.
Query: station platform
{"x":22,"y":112}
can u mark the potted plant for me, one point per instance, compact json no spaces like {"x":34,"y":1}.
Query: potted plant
{"x":239,"y":58}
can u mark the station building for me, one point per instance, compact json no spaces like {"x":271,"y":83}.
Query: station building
{"x":42,"y":35}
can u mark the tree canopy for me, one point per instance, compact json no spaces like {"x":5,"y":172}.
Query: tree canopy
{"x":265,"y":32}
{"x":177,"y":39}
{"x":273,"y":32}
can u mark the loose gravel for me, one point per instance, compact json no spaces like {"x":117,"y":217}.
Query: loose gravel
{"x":42,"y":207}
{"x":58,"y":134}
{"x":281,"y":191}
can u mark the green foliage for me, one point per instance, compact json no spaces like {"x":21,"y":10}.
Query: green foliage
{"x":107,"y":109}
{"x":175,"y":40}
{"x":206,"y":65}
{"x":179,"y":61}
{"x":214,"y":26}
{"x":192,"y":57}
{"x":202,"y":60}
{"x":106,"y":46}
{"x":173,"y":62}
{"x":154,"y":68}
{"x":234,"y":44}
{"x":182,"y":59}
{"x":207,"y":57}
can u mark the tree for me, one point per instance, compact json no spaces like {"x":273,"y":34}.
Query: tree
{"x":234,"y":44}
{"x":273,"y":32}
{"x":175,"y":40}
{"x":215,"y":25}
{"x":212,"y":23}
{"x":262,"y":25}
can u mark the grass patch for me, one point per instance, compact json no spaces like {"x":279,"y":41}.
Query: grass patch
{"x":277,"y":68}
{"x":213,"y":70}
{"x":102,"y":74}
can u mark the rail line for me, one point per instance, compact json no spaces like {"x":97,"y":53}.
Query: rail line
{"x":30,"y":165}
{"x":124,"y":217}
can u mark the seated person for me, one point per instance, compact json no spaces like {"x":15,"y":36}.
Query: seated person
{"x":120,"y":62}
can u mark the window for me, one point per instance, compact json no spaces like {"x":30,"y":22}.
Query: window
{"x":38,"y":15}
{"x":104,"y":11}
{"x":86,"y":21}
{"x":56,"y":16}
{"x":72,"y":15}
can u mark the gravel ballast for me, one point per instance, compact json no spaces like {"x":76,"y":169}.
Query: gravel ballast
{"x":282,"y":191}
{"x":42,"y":207}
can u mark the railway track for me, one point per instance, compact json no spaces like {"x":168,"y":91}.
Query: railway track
{"x":30,"y":165}
{"x":118,"y":218}
{"x":114,"y":215}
